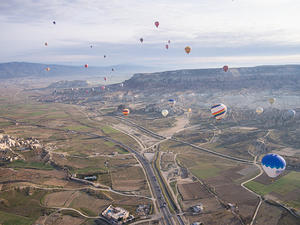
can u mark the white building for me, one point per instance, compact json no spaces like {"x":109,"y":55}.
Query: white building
{"x":117,"y":215}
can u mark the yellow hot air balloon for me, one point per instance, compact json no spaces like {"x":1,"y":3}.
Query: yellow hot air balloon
{"x":259,"y":110}
{"x":272,"y":100}
{"x":126,"y":112}
{"x":187,"y":49}
{"x":164,"y":112}
{"x":189,"y":110}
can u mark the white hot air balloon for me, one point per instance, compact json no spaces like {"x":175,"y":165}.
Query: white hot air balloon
{"x":164,"y":112}
{"x":259,"y":110}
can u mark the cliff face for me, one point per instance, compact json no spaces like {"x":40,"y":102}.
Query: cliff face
{"x":262,"y":77}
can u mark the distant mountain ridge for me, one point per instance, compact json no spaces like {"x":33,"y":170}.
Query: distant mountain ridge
{"x":203,"y":80}
{"x":25,"y":69}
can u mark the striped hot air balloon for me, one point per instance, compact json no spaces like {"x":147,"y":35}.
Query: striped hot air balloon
{"x":273,"y":164}
{"x":126,"y":112}
{"x":219,"y":111}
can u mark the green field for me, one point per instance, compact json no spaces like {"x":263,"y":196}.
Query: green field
{"x":30,"y":165}
{"x":284,"y":185}
{"x":109,"y":130}
{"x":12,"y":219}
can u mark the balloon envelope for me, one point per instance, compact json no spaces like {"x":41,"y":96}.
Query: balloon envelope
{"x":54,"y":22}
{"x":272,"y":100}
{"x":46,"y":43}
{"x":171,"y":102}
{"x":189,"y":110}
{"x":187,"y":49}
{"x":167,"y":46}
{"x":156,"y":24}
{"x":169,"y":41}
{"x":141,"y":40}
{"x":273,"y":165}
{"x":86,"y":65}
{"x":225,"y":68}
{"x":126,"y":112}
{"x":219,"y":111}
{"x":290,"y":114}
{"x":259,"y":110}
{"x":47,"y":69}
{"x":164,"y":112}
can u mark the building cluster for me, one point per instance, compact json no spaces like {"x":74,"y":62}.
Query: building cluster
{"x":117,"y":215}
{"x":8,"y":144}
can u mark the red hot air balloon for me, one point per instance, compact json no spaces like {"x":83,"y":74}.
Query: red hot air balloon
{"x":167,"y":46}
{"x":47,"y":69}
{"x":86,"y":65}
{"x":156,"y":24}
{"x":105,"y":78}
{"x":103,"y":88}
{"x":225,"y":68}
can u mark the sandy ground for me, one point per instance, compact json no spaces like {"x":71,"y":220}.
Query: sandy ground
{"x":181,"y":122}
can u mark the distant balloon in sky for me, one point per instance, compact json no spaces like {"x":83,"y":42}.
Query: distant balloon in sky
{"x":259,"y":110}
{"x":141,"y":40}
{"x":47,"y":69}
{"x":187,"y":49}
{"x":104,"y":56}
{"x":105,"y":78}
{"x":54,"y":22}
{"x":272,"y":100}
{"x":289,"y":115}
{"x":112,"y":69}
{"x":273,"y":165}
{"x":156,"y":24}
{"x":103,"y":88}
{"x":122,"y":85}
{"x":46,"y":43}
{"x":171,"y":102}
{"x":126,"y":112}
{"x":164,"y":112}
{"x":91,"y":46}
{"x":219,"y":111}
{"x":86,"y":65}
{"x":169,"y":42}
{"x":189,"y":110}
{"x":167,"y":46}
{"x":225,"y":68}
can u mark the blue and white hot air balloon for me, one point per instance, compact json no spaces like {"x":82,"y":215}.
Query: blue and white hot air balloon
{"x":171,"y":102}
{"x":273,"y":164}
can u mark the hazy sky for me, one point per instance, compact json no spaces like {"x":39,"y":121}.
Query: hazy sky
{"x":233,"y":32}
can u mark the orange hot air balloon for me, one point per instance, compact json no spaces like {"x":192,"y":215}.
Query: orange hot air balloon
{"x":86,"y":65}
{"x":225,"y":68}
{"x":47,"y":69}
{"x":167,"y":46}
{"x":46,"y":43}
{"x":126,"y":112}
{"x":187,"y":49}
{"x":156,"y":24}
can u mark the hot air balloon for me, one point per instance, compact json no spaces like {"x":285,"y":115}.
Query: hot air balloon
{"x":167,"y":46}
{"x":91,"y":46}
{"x":289,"y":115}
{"x":187,"y":49}
{"x":102,"y":88}
{"x":164,"y":112}
{"x":273,"y":165}
{"x":272,"y":100}
{"x":122,"y":85}
{"x":86,"y":65}
{"x":141,"y":40}
{"x":126,"y":112}
{"x":87,"y":91}
{"x":46,"y":43}
{"x":219,"y":111}
{"x":169,"y":42}
{"x":189,"y":110}
{"x":112,"y":69}
{"x":47,"y":69}
{"x":225,"y":68}
{"x":54,"y":22}
{"x":104,"y":56}
{"x":259,"y":110}
{"x":156,"y":24}
{"x":105,"y":78}
{"x":171,"y":102}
